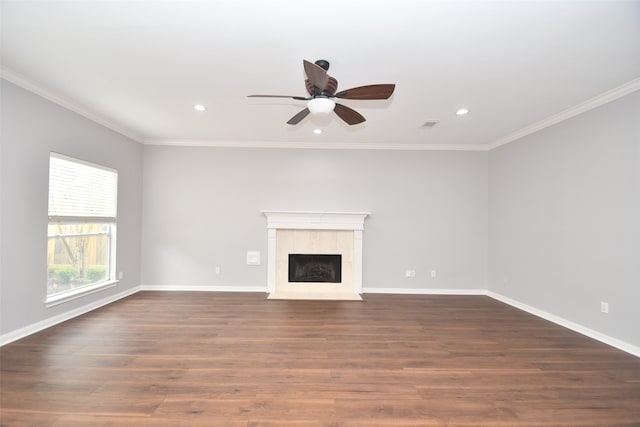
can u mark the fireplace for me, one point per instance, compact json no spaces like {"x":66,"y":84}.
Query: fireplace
{"x":315,"y":268}
{"x":329,"y":248}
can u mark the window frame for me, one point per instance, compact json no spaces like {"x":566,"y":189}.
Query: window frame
{"x":109,"y":282}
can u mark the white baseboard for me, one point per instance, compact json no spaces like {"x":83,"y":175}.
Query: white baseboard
{"x":417,"y":291}
{"x":598,"y":336}
{"x":614,"y":342}
{"x":204,"y":288}
{"x":51,"y":321}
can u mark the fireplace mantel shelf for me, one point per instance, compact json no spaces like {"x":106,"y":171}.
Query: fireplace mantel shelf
{"x":315,"y":220}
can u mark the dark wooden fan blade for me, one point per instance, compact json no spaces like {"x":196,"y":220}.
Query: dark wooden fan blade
{"x":298,"y":117}
{"x":382,"y":91}
{"x":279,"y":96}
{"x":317,"y":76}
{"x":352,"y":117}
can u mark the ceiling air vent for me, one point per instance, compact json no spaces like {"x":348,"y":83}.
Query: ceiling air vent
{"x":430,"y":123}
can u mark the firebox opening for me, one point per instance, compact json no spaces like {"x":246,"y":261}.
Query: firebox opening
{"x":315,"y":268}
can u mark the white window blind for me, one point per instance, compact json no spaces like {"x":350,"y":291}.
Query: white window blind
{"x":79,"y":189}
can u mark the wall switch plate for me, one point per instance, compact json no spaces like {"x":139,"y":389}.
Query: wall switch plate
{"x":410,"y":273}
{"x":253,"y":258}
{"x":217,"y":270}
{"x":433,"y":273}
{"x":604,"y":307}
{"x":121,"y":275}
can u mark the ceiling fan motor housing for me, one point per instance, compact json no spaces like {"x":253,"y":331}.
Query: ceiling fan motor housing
{"x":323,"y":63}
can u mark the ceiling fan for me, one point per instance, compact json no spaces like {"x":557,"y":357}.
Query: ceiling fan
{"x":322,"y":92}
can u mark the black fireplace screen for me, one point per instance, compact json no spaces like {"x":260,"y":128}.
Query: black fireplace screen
{"x":315,"y":268}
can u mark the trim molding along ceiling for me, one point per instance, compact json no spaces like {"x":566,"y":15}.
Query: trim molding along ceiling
{"x":585,"y":106}
{"x":320,"y":145}
{"x":33,"y":87}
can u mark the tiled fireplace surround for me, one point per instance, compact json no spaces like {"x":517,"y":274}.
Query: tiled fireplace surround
{"x":314,"y":233}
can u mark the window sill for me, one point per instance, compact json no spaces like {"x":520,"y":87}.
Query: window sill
{"x":54,"y":300}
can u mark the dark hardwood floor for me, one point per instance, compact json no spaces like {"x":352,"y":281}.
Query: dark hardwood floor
{"x":235,"y":359}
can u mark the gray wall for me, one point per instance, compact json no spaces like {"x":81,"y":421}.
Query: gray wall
{"x":558,"y":230}
{"x":202,"y":210}
{"x":564,"y":210}
{"x":31,"y":128}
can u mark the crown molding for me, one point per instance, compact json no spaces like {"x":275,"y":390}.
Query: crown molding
{"x":583,"y":107}
{"x":33,"y":87}
{"x":316,"y":145}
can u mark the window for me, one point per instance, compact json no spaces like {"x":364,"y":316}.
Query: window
{"x":82,"y":227}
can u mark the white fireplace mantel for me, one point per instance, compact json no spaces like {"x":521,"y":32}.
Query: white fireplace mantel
{"x":314,"y":220}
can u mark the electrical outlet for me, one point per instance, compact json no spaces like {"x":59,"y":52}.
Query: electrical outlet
{"x":217,"y":270}
{"x":433,"y":273}
{"x":121,"y":275}
{"x":604,"y":307}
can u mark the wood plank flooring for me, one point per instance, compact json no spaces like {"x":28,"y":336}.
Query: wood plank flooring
{"x":236,"y":359}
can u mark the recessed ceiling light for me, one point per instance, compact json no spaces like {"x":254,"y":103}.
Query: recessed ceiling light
{"x":317,"y":131}
{"x":462,"y":111}
{"x":199,"y":107}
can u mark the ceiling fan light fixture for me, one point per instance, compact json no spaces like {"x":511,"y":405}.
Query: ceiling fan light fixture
{"x":322,"y":89}
{"x":321,"y":106}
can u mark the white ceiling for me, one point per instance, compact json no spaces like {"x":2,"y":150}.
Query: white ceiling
{"x":140,"y":66}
